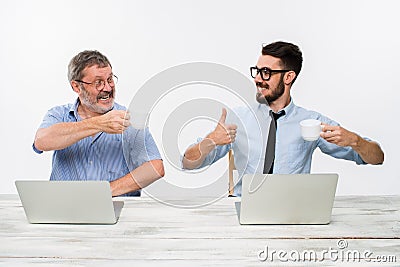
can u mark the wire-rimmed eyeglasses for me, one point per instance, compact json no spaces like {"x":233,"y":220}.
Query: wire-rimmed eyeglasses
{"x":100,"y":84}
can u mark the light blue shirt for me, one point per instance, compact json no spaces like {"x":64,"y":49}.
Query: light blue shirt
{"x":292,"y":153}
{"x":102,"y":157}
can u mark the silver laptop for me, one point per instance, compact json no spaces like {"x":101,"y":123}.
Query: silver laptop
{"x":287,"y":198}
{"x":75,"y":202}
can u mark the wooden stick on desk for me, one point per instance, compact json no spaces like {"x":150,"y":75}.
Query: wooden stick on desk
{"x":231,"y":168}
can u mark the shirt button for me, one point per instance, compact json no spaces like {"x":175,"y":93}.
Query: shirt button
{"x":91,"y":162}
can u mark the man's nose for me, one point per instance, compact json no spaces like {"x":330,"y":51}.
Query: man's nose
{"x":107,"y":87}
{"x":258,"y":79}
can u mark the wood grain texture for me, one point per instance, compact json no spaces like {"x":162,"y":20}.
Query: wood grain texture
{"x":150,"y":233}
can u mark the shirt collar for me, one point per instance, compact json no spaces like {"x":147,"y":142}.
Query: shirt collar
{"x":288,"y":109}
{"x":73,"y":111}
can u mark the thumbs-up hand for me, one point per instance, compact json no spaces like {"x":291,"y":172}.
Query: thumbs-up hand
{"x":223,"y":133}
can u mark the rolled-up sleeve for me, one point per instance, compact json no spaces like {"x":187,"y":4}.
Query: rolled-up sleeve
{"x":216,"y":154}
{"x":53,"y":116}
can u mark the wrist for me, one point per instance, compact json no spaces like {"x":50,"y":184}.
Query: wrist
{"x":93,"y":124}
{"x":357,"y":142}
{"x":90,"y":126}
{"x":210,"y":136}
{"x":207,"y":144}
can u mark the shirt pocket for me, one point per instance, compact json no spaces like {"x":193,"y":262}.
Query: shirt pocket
{"x":298,"y":157}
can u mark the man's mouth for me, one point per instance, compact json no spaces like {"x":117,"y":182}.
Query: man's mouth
{"x":261,"y":86}
{"x":104,"y":96}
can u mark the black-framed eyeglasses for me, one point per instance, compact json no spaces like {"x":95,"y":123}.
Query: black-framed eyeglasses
{"x":100,"y":84}
{"x":264,"y":72}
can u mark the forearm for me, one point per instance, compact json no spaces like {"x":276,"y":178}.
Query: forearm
{"x":369,"y":151}
{"x":64,"y":134}
{"x":222,"y":135}
{"x":139,"y":178}
{"x":196,"y":154}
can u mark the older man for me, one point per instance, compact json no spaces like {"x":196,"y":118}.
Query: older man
{"x":87,"y":136}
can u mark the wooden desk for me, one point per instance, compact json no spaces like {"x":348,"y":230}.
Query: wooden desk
{"x":152,"y":234}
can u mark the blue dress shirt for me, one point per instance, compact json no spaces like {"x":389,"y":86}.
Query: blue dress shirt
{"x":102,"y":157}
{"x":292,"y":153}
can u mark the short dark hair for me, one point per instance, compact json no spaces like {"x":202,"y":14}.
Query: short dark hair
{"x":85,"y":59}
{"x":289,"y":54}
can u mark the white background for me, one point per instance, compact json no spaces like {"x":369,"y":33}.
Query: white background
{"x":350,"y":70}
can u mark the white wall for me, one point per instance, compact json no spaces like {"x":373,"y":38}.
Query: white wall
{"x":350,"y":71}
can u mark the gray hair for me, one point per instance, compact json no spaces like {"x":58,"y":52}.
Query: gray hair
{"x":85,"y":59}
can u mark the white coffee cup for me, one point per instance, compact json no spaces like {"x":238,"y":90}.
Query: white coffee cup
{"x":310,"y":129}
{"x":139,"y":120}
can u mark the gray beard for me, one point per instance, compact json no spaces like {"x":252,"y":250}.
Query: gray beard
{"x":91,"y":105}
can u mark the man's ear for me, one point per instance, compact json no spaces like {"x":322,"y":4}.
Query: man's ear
{"x":75,"y":87}
{"x":289,"y":77}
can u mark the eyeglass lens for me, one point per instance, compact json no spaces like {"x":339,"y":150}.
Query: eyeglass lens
{"x":264,"y":72}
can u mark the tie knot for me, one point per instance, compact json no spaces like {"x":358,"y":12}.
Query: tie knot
{"x":276,"y":115}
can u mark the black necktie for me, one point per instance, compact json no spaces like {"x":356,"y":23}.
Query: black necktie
{"x":270,"y":151}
